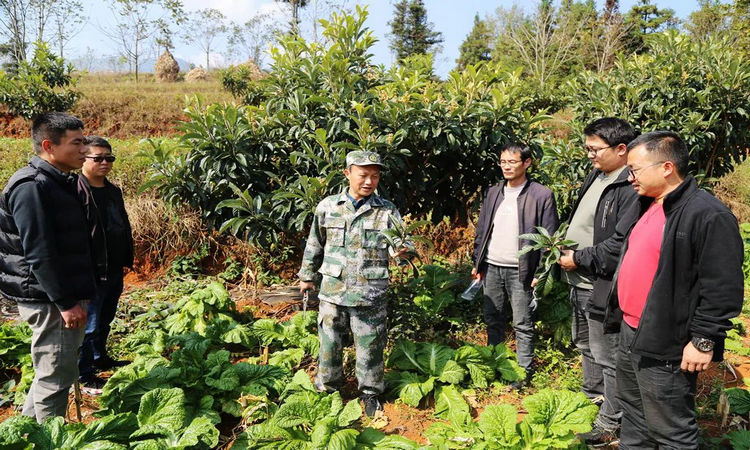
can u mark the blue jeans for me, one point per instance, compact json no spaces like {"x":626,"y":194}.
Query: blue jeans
{"x":501,"y":285}
{"x":657,"y":398}
{"x":100,"y":314}
{"x":599,"y":363}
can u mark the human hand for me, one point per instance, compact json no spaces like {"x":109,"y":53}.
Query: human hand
{"x":694,"y":360}
{"x":306,"y":286}
{"x":566,"y":261}
{"x":74,"y":317}
{"x":534,"y":282}
{"x":476,"y":275}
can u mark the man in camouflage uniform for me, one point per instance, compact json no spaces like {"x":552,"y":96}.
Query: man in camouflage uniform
{"x":346,"y":247}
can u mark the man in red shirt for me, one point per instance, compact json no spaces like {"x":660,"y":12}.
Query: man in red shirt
{"x":678,"y":284}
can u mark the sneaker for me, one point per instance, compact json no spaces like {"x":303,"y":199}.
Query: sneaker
{"x":372,"y":404}
{"x":108,"y":363}
{"x":91,"y":384}
{"x":598,"y":400}
{"x":599,"y":437}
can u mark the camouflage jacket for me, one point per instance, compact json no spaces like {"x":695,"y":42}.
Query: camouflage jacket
{"x":346,"y":247}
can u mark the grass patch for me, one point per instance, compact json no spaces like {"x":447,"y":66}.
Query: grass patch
{"x":128,"y":172}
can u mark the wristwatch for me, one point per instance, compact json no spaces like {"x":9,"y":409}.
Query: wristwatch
{"x":703,"y":344}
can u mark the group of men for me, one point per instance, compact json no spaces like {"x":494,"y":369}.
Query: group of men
{"x":655,"y":277}
{"x":64,"y":241}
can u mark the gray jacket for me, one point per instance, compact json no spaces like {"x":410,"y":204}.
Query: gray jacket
{"x":536,"y":207}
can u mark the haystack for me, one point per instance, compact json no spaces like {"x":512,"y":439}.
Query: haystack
{"x":197,"y":74}
{"x":166,"y":68}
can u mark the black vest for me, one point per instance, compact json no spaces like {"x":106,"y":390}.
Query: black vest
{"x":68,"y":275}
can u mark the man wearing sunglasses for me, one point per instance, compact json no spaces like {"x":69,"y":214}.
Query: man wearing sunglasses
{"x":112,"y":245}
{"x":600,"y":216}
{"x":676,"y":287}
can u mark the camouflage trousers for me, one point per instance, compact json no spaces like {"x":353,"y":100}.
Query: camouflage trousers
{"x":369,"y":330}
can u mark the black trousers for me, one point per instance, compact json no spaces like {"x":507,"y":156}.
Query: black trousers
{"x":657,"y":400}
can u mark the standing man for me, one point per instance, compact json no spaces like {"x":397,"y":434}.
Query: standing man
{"x":515,"y":206}
{"x":678,"y":284}
{"x":600,"y":218}
{"x":112,"y":244}
{"x":46,"y":264}
{"x":346,"y":247}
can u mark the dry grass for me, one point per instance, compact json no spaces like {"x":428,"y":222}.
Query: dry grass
{"x":115,"y":106}
{"x":734,"y":190}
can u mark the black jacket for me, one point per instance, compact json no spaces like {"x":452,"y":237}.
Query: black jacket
{"x":99,"y":236}
{"x":616,"y":212}
{"x":536,"y":207}
{"x":698,"y":285}
{"x":44,"y":245}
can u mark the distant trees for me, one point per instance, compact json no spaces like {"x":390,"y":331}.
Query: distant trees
{"x":476,"y":47}
{"x":138,"y":21}
{"x":204,"y":26}
{"x":295,"y":5}
{"x":411,"y":33}
{"x":646,"y":18}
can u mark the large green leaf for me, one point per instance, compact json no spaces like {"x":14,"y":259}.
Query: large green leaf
{"x":200,"y":431}
{"x":163,"y":407}
{"x":451,"y":405}
{"x":433,"y":357}
{"x":452,"y":373}
{"x":739,"y":400}
{"x":116,"y":428}
{"x":343,"y":440}
{"x":498,"y":423}
{"x":739,"y":440}
{"x":351,"y":413}
{"x":561,"y":412}
{"x":410,"y":387}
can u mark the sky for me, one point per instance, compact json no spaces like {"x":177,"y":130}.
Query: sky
{"x":454,"y":18}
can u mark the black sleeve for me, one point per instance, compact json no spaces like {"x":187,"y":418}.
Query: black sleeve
{"x":601,"y":259}
{"x":28,"y":207}
{"x":480,"y":230}
{"x":720,"y":277}
{"x":550,"y":219}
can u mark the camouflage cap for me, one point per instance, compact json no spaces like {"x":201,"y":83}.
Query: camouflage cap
{"x":363,"y":158}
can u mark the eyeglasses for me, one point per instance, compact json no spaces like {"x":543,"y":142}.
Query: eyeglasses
{"x":633,"y":173}
{"x":594,"y":149}
{"x":99,"y":159}
{"x":509,"y":162}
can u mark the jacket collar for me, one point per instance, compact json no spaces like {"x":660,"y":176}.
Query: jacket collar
{"x":57,"y":174}
{"x":621,"y":178}
{"x":374,"y":200}
{"x":675,"y":199}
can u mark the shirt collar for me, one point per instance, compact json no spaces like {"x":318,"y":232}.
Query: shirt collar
{"x":357,"y":203}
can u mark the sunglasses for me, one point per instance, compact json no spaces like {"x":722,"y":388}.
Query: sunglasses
{"x":98,"y":159}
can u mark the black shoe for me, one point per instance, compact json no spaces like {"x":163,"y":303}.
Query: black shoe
{"x":372,"y":404}
{"x":599,"y":437}
{"x":523,"y":382}
{"x":107,"y":363}
{"x":91,"y":384}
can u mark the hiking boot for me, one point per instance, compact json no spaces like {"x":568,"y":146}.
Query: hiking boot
{"x":91,"y":384}
{"x":600,"y":437}
{"x":107,"y":363}
{"x":372,"y":404}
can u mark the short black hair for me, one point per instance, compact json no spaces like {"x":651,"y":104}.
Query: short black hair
{"x":97,"y":141}
{"x":515,"y":147}
{"x":52,"y":126}
{"x":612,"y":130}
{"x":668,"y":146}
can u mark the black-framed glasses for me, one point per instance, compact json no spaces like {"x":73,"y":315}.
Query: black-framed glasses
{"x":595,"y":150}
{"x":99,"y":159}
{"x":633,"y":173}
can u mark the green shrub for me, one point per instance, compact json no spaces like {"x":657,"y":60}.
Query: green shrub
{"x":42,"y":85}
{"x":261,"y":170}
{"x":697,"y":88}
